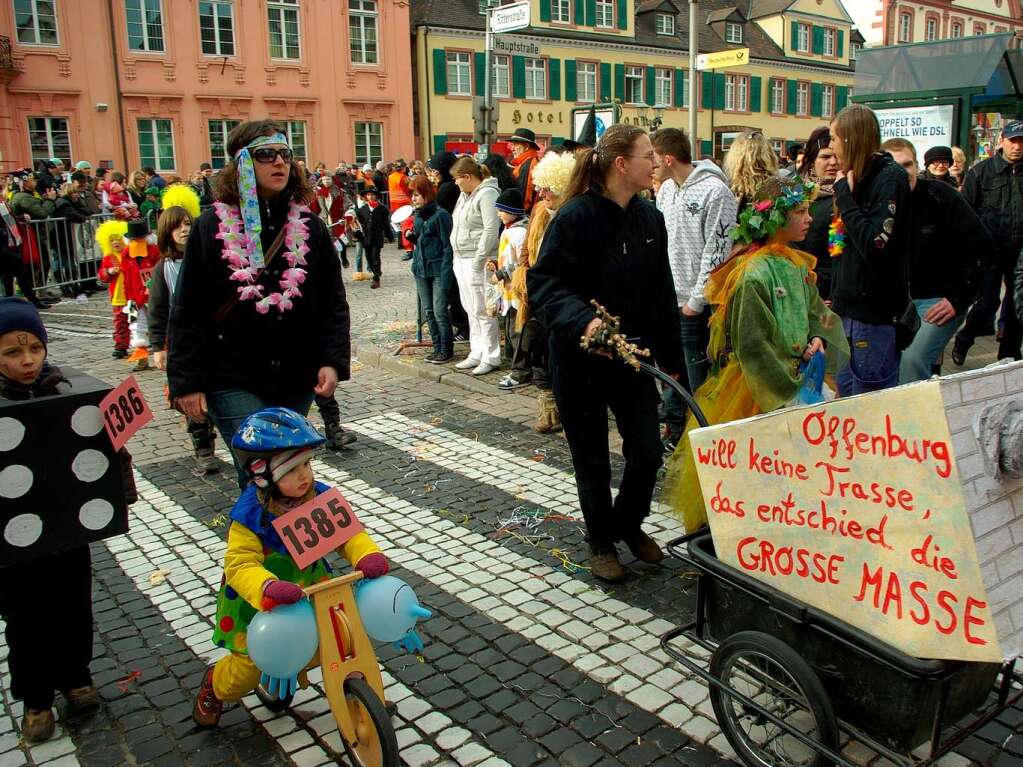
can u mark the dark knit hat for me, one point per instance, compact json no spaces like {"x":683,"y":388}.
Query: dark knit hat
{"x":510,"y":201}
{"x":937,"y":153}
{"x":137,"y":228}
{"x":18,"y":314}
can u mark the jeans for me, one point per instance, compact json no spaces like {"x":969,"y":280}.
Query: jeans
{"x":229,"y":407}
{"x":695,"y":339}
{"x":360,"y":250}
{"x":919,"y":357}
{"x":873,"y":358}
{"x":981,"y":316}
{"x":433,"y":300}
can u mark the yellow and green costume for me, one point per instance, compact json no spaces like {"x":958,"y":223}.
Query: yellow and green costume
{"x":766,"y":310}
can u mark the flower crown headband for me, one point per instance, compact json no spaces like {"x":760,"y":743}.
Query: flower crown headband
{"x":762,"y":219}
{"x":247,"y":193}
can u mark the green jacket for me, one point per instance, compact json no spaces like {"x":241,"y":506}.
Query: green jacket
{"x":27,"y":204}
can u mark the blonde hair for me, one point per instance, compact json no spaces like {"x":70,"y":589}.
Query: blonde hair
{"x":554,"y":172}
{"x":467,"y":166}
{"x":958,"y":155}
{"x":108,"y":230}
{"x":749,"y":162}
{"x":135,"y":174}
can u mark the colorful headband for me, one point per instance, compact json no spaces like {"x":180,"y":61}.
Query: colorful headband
{"x":249,"y":199}
{"x":760,"y":220}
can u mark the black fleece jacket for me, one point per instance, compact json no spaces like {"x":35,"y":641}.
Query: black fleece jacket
{"x":596,"y":250}
{"x":270,"y":354}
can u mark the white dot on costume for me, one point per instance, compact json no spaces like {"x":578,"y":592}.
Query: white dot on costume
{"x":12,"y":431}
{"x":90,"y":465}
{"x":87,"y":421}
{"x":15,"y":481}
{"x":96,"y":514}
{"x":23,"y":530}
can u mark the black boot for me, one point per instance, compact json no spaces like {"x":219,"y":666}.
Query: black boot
{"x":330,"y":411}
{"x":203,"y":442}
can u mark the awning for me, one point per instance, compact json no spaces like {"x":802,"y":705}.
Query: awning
{"x":988,"y":67}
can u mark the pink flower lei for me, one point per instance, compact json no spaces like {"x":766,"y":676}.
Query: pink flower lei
{"x":237,"y":251}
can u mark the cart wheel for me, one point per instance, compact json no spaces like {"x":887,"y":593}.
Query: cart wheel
{"x":376,"y":744}
{"x":272,"y":702}
{"x":769,"y":672}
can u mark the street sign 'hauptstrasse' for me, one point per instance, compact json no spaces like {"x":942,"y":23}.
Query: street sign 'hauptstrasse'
{"x":508,"y":18}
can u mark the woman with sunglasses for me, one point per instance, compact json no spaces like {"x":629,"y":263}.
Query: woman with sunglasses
{"x":259,"y":318}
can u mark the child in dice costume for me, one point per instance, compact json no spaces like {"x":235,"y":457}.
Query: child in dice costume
{"x":275,"y":446}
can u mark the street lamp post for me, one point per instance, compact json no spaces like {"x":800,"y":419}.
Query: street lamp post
{"x":694,"y":49}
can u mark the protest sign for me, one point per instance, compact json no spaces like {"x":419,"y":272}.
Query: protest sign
{"x":854,"y":507}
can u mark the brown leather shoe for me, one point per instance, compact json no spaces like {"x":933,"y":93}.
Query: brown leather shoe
{"x":208,"y":707}
{"x":83,"y":699}
{"x":607,"y":567}
{"x":644,"y":548}
{"x":38,"y":726}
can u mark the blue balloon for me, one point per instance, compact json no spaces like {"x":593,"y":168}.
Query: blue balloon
{"x":281,"y":642}
{"x":389,"y":608}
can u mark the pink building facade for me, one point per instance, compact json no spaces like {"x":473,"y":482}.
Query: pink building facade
{"x":161,"y":82}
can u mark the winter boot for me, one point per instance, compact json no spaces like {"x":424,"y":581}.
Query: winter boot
{"x":330,"y":411}
{"x":203,"y":442}
{"x":38,"y":726}
{"x":81,"y":700}
{"x":208,"y":707}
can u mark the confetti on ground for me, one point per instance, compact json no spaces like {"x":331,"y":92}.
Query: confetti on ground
{"x":125,"y":683}
{"x":158,"y":576}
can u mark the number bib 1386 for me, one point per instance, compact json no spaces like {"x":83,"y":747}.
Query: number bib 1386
{"x":325,"y":523}
{"x":124,"y":412}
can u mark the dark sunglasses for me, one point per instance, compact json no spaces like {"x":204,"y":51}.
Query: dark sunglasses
{"x":267,"y":155}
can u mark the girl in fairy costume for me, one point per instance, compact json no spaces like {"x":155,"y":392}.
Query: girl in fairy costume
{"x":275,"y":446}
{"x":768,"y":320}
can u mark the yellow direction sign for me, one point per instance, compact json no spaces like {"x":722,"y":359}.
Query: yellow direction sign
{"x":734,"y":58}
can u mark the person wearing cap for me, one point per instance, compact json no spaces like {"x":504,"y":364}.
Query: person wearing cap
{"x":511,"y":253}
{"x":525,"y":152}
{"x":46,"y":603}
{"x":937,"y":161}
{"x":36,"y":200}
{"x":994,"y":189}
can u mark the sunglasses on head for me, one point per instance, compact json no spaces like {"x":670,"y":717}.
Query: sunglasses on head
{"x":267,"y":155}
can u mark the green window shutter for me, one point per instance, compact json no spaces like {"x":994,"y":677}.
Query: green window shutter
{"x":719,"y":90}
{"x":651,"y":86}
{"x":790,"y":97}
{"x":755,"y":87}
{"x":438,"y":142}
{"x":680,"y":87}
{"x":840,"y":47}
{"x":605,"y":82}
{"x":440,"y":72}
{"x":795,"y":34}
{"x":620,"y":81}
{"x":818,"y":40}
{"x":580,"y":12}
{"x":554,"y":75}
{"x":841,"y":98}
{"x":545,"y":10}
{"x":591,"y":12}
{"x":519,"y":77}
{"x":480,"y":62}
{"x":707,"y":88}
{"x":570,"y":81}
{"x":706,"y":148}
{"x":816,"y":99}
{"x":623,"y":14}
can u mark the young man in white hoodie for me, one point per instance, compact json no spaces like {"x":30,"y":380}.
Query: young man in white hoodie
{"x":699,"y":210}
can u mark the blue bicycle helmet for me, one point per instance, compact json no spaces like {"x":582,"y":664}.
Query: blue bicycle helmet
{"x":274,"y":429}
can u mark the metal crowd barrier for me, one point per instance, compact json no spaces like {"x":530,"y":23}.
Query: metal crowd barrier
{"x":62,"y":254}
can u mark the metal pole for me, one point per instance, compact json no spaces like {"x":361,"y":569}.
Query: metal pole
{"x":488,"y":94}
{"x":694,"y":47}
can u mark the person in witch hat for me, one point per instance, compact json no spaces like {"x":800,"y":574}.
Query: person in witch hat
{"x":587,"y":136}
{"x":525,"y":153}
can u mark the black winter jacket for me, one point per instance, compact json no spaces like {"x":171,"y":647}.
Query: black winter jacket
{"x":949,"y":248}
{"x":158,"y":307}
{"x":868,"y":282}
{"x":270,"y":354}
{"x":376,"y":226}
{"x":447,"y":192}
{"x":596,"y":250}
{"x":816,"y":242}
{"x":432,"y":256}
{"x":994,"y":189}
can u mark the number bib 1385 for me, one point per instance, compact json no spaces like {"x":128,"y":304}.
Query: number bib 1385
{"x":325,"y":523}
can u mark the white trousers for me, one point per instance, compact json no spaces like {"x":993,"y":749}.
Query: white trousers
{"x":484,"y":335}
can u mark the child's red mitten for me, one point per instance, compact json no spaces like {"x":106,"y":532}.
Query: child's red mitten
{"x":281,"y":593}
{"x":373,"y":565}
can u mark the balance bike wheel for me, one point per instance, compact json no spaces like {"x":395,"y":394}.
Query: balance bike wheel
{"x":772,"y":675}
{"x":272,"y":702}
{"x":376,"y":744}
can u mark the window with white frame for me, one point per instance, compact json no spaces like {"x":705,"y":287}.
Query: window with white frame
{"x":634,"y":85}
{"x":777,"y":105}
{"x":36,"y":22}
{"x":979,"y":29}
{"x":854,"y":50}
{"x":605,"y":13}
{"x":931,"y":28}
{"x":830,"y":36}
{"x":905,"y":27}
{"x":156,"y":144}
{"x":296,"y":138}
{"x":803,"y":38}
{"x":664,"y":24}
{"x":586,"y":81}
{"x":733,"y":32}
{"x":369,"y":143}
{"x":282,"y":22}
{"x":803,"y":99}
{"x":49,"y":137}
{"x":827,"y":101}
{"x":778,"y":146}
{"x":218,"y":130}
{"x":683,"y":83}
{"x":561,"y":11}
{"x":500,"y":81}
{"x":736,"y":93}
{"x":145,"y":25}
{"x":957,"y":29}
{"x":662,"y":87}
{"x":362,"y":26}
{"x":459,"y":80}
{"x":216,"y":27}
{"x":536,"y":79}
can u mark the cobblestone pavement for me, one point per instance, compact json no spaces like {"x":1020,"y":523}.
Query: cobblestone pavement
{"x":528,"y":661}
